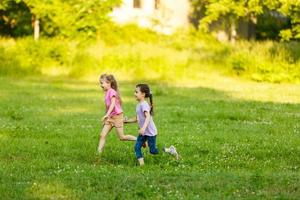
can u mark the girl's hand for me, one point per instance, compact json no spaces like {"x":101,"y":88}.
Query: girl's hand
{"x":141,"y":131}
{"x":125,"y":120}
{"x":103,"y":118}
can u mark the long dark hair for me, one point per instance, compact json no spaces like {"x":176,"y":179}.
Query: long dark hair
{"x":144,"y":88}
{"x":113,"y":83}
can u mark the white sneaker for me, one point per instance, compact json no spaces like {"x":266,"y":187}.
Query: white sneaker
{"x":172,"y":150}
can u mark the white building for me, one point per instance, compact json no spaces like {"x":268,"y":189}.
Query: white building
{"x":164,"y":16}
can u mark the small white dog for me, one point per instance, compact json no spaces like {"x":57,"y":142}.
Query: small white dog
{"x":172,"y":150}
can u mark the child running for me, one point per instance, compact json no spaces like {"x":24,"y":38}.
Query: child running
{"x":114,"y":113}
{"x":144,"y":113}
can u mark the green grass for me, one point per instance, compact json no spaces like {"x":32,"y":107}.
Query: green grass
{"x":237,"y":139}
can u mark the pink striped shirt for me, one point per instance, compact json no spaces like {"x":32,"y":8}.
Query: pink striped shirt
{"x":108,"y":96}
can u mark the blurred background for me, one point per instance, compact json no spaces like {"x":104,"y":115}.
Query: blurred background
{"x":174,"y":41}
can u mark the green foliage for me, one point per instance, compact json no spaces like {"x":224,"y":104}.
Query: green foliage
{"x":69,"y":18}
{"x":66,"y":18}
{"x":277,"y":62}
{"x":15,"y":19}
{"x":241,"y":9}
{"x":78,"y":18}
{"x":113,"y":34}
{"x":33,"y":57}
{"x":270,"y":25}
{"x":286,"y":35}
{"x":136,"y":54}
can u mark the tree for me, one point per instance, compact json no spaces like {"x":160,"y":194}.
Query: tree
{"x":15,"y":18}
{"x":66,"y":17}
{"x":250,"y":9}
{"x":290,"y":8}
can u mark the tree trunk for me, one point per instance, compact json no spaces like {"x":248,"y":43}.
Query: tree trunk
{"x":233,"y":32}
{"x":36,"y":29}
{"x":252,"y":27}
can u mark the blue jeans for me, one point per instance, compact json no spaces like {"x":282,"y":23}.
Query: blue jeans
{"x":141,"y":139}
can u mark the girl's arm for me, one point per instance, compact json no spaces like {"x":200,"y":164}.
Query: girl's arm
{"x":130,"y":120}
{"x":110,"y":109}
{"x":146,"y":123}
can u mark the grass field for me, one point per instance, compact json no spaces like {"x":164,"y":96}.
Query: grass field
{"x":238,"y":140}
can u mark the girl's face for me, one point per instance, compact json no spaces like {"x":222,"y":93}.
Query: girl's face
{"x":138,"y":94}
{"x":104,"y":84}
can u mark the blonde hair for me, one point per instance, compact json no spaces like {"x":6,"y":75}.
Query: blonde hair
{"x":113,"y":83}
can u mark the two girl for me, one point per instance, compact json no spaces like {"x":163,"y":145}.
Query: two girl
{"x":114,"y":116}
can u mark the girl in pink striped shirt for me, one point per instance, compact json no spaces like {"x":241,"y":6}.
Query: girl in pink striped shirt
{"x":114,"y":112}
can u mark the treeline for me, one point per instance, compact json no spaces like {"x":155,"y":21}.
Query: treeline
{"x":69,"y":18}
{"x":265,"y":19}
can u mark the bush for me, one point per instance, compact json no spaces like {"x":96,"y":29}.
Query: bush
{"x":266,"y":61}
{"x":133,"y":53}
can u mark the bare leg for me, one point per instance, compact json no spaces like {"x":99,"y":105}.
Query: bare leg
{"x":106,"y":129}
{"x":120,"y":132}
